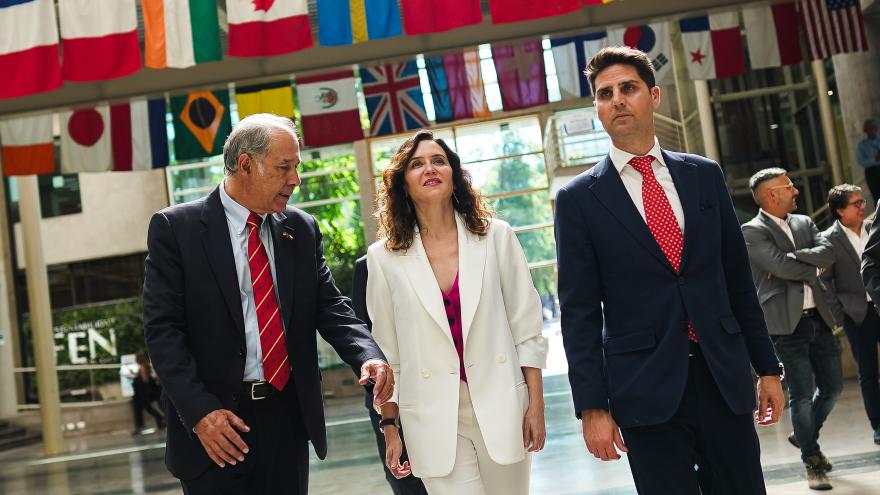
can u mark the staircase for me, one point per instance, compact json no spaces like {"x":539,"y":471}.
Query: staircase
{"x":15,"y":436}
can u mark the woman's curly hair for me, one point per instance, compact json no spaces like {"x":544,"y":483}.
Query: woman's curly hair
{"x":394,"y":208}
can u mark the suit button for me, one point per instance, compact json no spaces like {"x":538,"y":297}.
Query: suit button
{"x":680,"y":280}
{"x":426,"y":373}
{"x":234,"y":396}
{"x":502,"y":358}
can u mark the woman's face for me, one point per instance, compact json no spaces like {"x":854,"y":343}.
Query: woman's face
{"x":428,"y":175}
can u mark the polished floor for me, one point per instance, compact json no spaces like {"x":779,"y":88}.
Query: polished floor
{"x":122,"y":464}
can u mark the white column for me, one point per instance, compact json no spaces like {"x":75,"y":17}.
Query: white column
{"x":40,"y":309}
{"x":827,"y":117}
{"x":707,"y":123}
{"x":8,"y":399}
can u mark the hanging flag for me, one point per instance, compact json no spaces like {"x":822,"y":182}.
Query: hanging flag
{"x":85,"y":140}
{"x":138,"y":136}
{"x":521,"y":77}
{"x":98,"y":39}
{"x":259,"y":28}
{"x":457,"y":86}
{"x":276,"y":97}
{"x":348,"y":22}
{"x":832,"y":27}
{"x":772,"y":35}
{"x":28,"y":47}
{"x":201,"y":123}
{"x":504,"y":11}
{"x":180,"y":33}
{"x":712,"y":44}
{"x":571,"y":56}
{"x":431,"y":16}
{"x":27,"y":146}
{"x":394,"y":98}
{"x":653,"y":39}
{"x":329,"y":109}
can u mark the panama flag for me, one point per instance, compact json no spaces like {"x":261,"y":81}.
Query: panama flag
{"x":329,"y":109}
{"x":180,"y":33}
{"x":98,"y":39}
{"x":28,"y":47}
{"x":138,"y":136}
{"x":27,"y":145}
{"x":259,"y":28}
{"x":653,"y":39}
{"x":772,"y":35}
{"x":85,"y":140}
{"x":712,"y":45}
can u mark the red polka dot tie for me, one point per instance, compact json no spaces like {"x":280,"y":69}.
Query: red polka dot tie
{"x":660,"y":218}
{"x":276,"y":367}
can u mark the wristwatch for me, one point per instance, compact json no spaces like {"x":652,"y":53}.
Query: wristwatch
{"x":777,"y":370}
{"x":387,"y":422}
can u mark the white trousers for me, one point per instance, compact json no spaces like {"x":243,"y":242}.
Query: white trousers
{"x":474,"y":472}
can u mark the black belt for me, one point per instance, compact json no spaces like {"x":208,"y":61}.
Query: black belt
{"x":258,"y":390}
{"x":810,"y":313}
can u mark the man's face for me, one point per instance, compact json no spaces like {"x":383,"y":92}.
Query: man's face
{"x":871,"y":131}
{"x":625,"y":103}
{"x":782,"y":193}
{"x":854,"y":213}
{"x":270,"y":180}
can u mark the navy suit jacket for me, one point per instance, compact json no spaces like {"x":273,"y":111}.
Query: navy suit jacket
{"x":194,"y":326}
{"x":625,"y":310}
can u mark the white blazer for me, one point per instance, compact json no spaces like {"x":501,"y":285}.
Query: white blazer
{"x":501,"y":326}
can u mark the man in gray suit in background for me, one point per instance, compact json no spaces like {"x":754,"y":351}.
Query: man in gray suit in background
{"x":787,"y":254}
{"x":847,"y":297}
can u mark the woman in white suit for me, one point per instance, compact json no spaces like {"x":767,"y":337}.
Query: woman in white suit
{"x":459,"y":320}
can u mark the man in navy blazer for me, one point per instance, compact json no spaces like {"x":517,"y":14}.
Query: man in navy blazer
{"x":661,"y":332}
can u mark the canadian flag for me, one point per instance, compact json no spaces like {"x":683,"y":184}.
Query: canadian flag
{"x":259,"y":28}
{"x":85,"y":140}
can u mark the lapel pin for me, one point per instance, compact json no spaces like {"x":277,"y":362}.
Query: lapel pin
{"x":287,"y":235}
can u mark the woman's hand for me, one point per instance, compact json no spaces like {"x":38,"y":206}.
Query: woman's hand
{"x":393,"y":451}
{"x":534,"y":431}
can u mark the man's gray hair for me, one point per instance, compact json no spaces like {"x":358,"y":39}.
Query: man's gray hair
{"x":762,"y":176}
{"x":251,"y":136}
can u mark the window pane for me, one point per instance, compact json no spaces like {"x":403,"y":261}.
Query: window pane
{"x":329,"y":184}
{"x":207,"y":176}
{"x":539,"y":245}
{"x":497,"y":139}
{"x":342,"y":227}
{"x":544,"y":279}
{"x":525,"y":209}
{"x":383,"y":148}
{"x":513,"y":174}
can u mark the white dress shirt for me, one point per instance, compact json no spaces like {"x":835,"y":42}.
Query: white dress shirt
{"x":809,"y":302}
{"x":632,"y":180}
{"x":236,"y":219}
{"x":858,"y":241}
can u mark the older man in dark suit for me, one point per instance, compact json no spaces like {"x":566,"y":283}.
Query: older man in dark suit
{"x":236,"y":284}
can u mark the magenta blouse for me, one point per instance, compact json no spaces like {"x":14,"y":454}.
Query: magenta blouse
{"x":452,"y":304}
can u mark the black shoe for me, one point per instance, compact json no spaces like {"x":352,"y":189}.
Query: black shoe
{"x":817,"y":478}
{"x":793,"y":440}
{"x":826,"y":464}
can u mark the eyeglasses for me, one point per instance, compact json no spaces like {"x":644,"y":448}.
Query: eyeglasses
{"x":857,"y":203}
{"x":790,"y":185}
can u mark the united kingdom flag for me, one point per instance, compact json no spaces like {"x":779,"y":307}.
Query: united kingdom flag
{"x":394,"y":98}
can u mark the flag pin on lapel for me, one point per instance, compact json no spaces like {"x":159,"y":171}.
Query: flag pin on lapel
{"x":287,"y":235}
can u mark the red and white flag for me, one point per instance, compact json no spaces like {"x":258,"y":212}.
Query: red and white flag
{"x":772,"y":35}
{"x":329,"y":110}
{"x":505,"y":11}
{"x":259,"y":28}
{"x":28,"y":48}
{"x":98,"y":39}
{"x":137,"y":135}
{"x":832,"y":27}
{"x":27,"y":146}
{"x":85,"y":140}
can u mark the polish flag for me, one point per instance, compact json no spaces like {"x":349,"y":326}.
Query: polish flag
{"x":27,"y":145}
{"x":85,"y":140}
{"x":772,"y":35}
{"x":98,"y":39}
{"x":713,"y":47}
{"x":138,"y":136}
{"x":259,"y":28}
{"x":28,"y":48}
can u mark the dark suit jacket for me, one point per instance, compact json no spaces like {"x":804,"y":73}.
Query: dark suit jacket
{"x":845,"y":291}
{"x":359,"y":304}
{"x":625,"y":310}
{"x":194,"y":327}
{"x":871,"y":264}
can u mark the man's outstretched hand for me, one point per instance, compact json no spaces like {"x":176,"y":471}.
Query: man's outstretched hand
{"x":219,"y":438}
{"x":602,"y":435}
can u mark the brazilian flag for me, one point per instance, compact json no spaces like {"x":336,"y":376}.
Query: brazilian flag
{"x":201,"y":123}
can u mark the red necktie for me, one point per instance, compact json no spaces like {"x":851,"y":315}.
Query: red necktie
{"x":660,"y":218}
{"x":276,"y":367}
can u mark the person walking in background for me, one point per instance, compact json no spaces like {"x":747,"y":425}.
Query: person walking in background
{"x":868,"y":156}
{"x":146,"y":393}
{"x":787,"y":255}
{"x":455,"y":311}
{"x":408,"y":485}
{"x":660,"y":320}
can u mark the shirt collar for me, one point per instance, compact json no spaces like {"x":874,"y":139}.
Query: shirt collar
{"x":621,"y":158}
{"x":779,"y":221}
{"x":236,"y":214}
{"x":863,"y":232}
